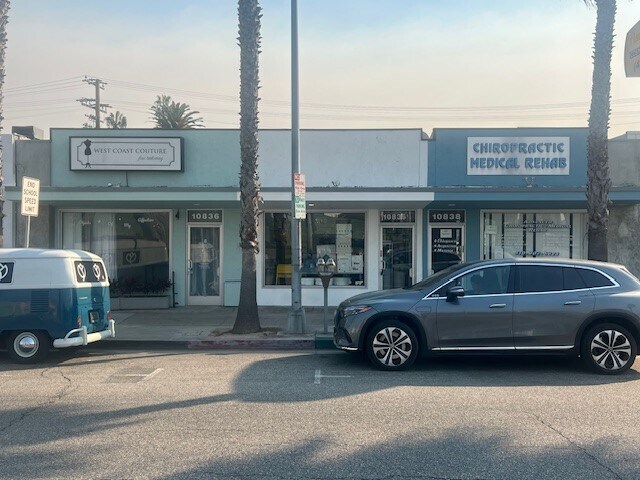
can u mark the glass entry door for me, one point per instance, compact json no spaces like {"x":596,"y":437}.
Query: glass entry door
{"x":204,"y":265}
{"x":447,"y":246}
{"x":397,"y":257}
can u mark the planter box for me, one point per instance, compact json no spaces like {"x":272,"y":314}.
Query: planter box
{"x":140,"y":303}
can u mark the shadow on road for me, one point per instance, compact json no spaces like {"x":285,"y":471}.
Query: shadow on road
{"x":456,"y":454}
{"x":308,"y":377}
{"x":272,"y":374}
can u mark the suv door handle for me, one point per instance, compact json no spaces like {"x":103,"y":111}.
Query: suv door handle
{"x":574,"y":302}
{"x":498,"y":305}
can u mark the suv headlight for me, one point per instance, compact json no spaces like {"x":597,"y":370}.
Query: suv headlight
{"x":354,"y":310}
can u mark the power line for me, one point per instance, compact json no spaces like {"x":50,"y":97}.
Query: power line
{"x":44,"y":84}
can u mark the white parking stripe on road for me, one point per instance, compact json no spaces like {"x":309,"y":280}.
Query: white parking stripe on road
{"x":319,"y":376}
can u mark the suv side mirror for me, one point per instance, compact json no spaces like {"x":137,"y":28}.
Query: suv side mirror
{"x":455,"y":292}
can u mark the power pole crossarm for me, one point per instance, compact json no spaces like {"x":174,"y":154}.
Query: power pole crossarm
{"x":94,"y":103}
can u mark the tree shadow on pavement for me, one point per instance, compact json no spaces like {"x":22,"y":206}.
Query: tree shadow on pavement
{"x":444,"y":455}
{"x":32,"y":437}
{"x":274,"y":375}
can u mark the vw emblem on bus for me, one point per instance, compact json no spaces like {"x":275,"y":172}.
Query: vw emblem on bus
{"x":82,"y":272}
{"x":4,"y":271}
{"x":97,"y":271}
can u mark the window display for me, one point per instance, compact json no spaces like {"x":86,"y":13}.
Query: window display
{"x":133,"y":245}
{"x":534,"y":234}
{"x":324,"y":235}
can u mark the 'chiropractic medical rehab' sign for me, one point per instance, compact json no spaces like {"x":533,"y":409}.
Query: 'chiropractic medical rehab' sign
{"x":518,"y":155}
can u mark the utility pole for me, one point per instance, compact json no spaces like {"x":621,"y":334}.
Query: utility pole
{"x":296,"y":320}
{"x":94,"y":103}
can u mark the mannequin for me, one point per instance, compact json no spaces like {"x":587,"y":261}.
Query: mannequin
{"x":201,"y":256}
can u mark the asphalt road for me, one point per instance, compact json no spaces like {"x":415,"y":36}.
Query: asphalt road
{"x":273,"y":415}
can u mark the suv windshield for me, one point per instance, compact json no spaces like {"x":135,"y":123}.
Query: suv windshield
{"x":433,"y":280}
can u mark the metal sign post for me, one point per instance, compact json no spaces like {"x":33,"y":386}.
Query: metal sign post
{"x":296,"y":320}
{"x":30,"y":201}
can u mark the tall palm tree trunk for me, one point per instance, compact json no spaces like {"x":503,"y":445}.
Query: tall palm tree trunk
{"x":597,"y":147}
{"x":4,"y":19}
{"x":249,"y":14}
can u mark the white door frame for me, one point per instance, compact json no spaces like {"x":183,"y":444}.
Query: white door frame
{"x":198,"y":300}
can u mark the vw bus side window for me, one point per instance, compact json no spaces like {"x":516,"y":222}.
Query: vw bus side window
{"x":6,"y":272}
{"x":88,"y":272}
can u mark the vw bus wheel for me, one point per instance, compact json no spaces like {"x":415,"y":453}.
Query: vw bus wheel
{"x":608,"y":348}
{"x":392,"y":345}
{"x":28,"y":347}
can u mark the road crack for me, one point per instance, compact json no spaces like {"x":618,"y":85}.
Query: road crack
{"x":578,"y":446}
{"x":47,"y":403}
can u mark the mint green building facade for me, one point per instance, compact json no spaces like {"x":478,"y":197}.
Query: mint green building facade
{"x":162,"y":205}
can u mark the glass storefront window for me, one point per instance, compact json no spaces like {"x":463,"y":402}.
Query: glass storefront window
{"x":534,"y":234}
{"x":340,"y":236}
{"x":133,"y":245}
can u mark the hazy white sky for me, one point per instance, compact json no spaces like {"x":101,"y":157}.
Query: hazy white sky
{"x":363,"y":63}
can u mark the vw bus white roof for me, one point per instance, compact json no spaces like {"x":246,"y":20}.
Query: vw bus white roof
{"x":43,"y":268}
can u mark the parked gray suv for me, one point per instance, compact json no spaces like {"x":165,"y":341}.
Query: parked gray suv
{"x":591,"y":309}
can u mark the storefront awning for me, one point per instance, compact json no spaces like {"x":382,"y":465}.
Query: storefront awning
{"x":349,"y":198}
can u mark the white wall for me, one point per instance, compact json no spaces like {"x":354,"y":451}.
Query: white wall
{"x":346,"y":158}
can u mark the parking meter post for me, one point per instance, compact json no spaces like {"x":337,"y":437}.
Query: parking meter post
{"x":326,"y":309}
{"x":326,"y":266}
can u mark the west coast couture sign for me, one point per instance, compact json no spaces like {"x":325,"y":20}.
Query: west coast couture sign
{"x":104,"y":153}
{"x":518,"y":155}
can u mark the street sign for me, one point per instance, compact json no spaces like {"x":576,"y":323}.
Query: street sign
{"x":632,"y":52}
{"x":300,"y":203}
{"x":30,"y":196}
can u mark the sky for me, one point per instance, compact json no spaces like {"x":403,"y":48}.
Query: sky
{"x":363,"y":63}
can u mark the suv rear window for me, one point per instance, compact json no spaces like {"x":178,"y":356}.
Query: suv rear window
{"x":594,"y":279}
{"x":539,"y":278}
{"x":572,"y":279}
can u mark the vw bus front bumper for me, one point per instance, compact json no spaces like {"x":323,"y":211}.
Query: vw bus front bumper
{"x":79,"y":336}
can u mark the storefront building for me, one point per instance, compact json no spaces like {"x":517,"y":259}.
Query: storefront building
{"x":503,"y":193}
{"x":521,"y":192}
{"x":163,"y":209}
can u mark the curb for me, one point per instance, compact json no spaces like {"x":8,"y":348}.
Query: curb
{"x":324,"y":342}
{"x":217,"y":344}
{"x":259,"y":344}
{"x":317,"y":342}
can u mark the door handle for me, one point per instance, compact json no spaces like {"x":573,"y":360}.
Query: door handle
{"x":574,"y":302}
{"x":498,"y":305}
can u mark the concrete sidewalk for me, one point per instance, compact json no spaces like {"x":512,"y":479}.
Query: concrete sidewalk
{"x":209,"y":327}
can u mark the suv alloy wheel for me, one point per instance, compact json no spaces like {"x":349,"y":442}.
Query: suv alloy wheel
{"x":608,"y":348}
{"x":392,"y":345}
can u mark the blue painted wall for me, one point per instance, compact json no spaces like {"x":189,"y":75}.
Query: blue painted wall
{"x":455,"y":189}
{"x":448,"y":157}
{"x":210,"y":158}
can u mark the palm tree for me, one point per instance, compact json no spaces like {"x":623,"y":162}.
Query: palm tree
{"x":168,"y":114}
{"x":116,"y":120}
{"x":249,"y":15}
{"x":4,"y":19}
{"x":597,"y":147}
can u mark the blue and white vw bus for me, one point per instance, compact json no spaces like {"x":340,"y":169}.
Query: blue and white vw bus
{"x":52,"y":298}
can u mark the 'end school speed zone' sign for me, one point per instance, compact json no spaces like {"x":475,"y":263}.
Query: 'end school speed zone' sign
{"x":30,"y":196}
